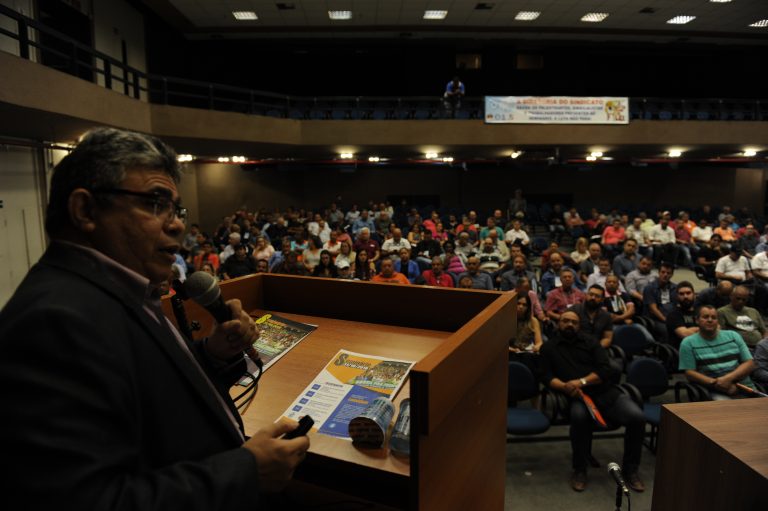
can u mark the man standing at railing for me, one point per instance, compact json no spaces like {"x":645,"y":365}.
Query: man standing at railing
{"x":454,"y":91}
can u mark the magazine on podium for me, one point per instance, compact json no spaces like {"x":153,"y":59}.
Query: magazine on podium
{"x":277,"y":336}
{"x":344,"y":389}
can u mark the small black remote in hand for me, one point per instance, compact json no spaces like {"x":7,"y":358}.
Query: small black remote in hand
{"x":305,"y":424}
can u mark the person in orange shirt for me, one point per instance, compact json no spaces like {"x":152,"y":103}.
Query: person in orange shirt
{"x":725,"y":232}
{"x":207,"y":256}
{"x":388,"y":274}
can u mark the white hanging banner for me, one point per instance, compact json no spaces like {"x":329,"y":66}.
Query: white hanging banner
{"x":556,"y":110}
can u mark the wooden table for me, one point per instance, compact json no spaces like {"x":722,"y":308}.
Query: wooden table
{"x":713,"y":456}
{"x":458,"y":386}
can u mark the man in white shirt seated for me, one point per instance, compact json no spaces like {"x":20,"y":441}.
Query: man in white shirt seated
{"x":664,"y":243}
{"x":391,"y":247}
{"x":517,"y":235}
{"x":702,"y":232}
{"x":734,"y":266}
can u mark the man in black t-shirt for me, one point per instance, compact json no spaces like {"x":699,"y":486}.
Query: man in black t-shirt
{"x":681,"y":322}
{"x":575,"y":364}
{"x":595,"y":322}
{"x":709,"y":254}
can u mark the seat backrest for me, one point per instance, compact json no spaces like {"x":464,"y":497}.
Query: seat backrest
{"x":521,"y":383}
{"x":631,"y":339}
{"x":649,"y":376}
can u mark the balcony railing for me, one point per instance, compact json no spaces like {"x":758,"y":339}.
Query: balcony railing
{"x":68,"y":55}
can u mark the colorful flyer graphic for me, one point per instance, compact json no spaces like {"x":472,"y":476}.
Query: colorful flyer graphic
{"x":344,"y":389}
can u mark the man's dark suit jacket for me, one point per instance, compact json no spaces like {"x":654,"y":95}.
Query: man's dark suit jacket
{"x":101,"y":407}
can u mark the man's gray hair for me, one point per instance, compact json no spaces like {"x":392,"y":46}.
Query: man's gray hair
{"x":100,"y":161}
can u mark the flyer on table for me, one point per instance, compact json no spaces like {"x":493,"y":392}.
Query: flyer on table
{"x":345,"y":387}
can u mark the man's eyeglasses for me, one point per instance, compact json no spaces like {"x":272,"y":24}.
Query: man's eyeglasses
{"x":163,"y":207}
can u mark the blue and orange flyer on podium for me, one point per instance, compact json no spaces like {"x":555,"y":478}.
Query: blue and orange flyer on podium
{"x":344,"y":389}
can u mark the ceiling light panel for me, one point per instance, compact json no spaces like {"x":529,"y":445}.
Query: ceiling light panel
{"x":594,"y":17}
{"x":681,"y":20}
{"x":760,"y":24}
{"x":340,"y":15}
{"x":435,"y":15}
{"x":527,"y":15}
{"x":244,"y":15}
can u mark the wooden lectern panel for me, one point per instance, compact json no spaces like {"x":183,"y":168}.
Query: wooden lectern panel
{"x":713,"y":456}
{"x":457,"y":388}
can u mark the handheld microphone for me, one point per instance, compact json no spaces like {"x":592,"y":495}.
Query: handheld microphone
{"x":204,"y":290}
{"x":615,"y":471}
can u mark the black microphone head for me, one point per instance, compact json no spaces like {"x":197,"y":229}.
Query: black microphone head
{"x":202,"y":288}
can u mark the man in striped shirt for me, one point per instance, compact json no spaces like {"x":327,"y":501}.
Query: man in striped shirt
{"x":717,"y":359}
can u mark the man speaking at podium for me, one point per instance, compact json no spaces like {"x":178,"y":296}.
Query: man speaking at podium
{"x":105,"y":405}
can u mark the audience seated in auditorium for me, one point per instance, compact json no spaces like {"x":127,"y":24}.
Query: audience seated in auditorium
{"x":262,"y":249}
{"x":663,"y":241}
{"x":572,"y":364}
{"x":574,"y":223}
{"x":612,"y":238}
{"x":318,"y":227}
{"x":233,"y":241}
{"x":709,"y":255}
{"x":290,"y":265}
{"x":595,"y":322}
{"x":715,"y":358}
{"x":363,"y":222}
{"x":392,"y":246}
{"x":310,"y":257}
{"x":335,"y":215}
{"x":550,"y":279}
{"x":352,"y":215}
{"x":489,"y":255}
{"x":588,"y":266}
{"x":637,"y":233}
{"x":426,"y":249}
{"x":364,"y":243}
{"x":519,"y":270}
{"x":517,"y":236}
{"x":480,"y":279}
{"x":491,"y":226}
{"x":528,"y":336}
{"x":501,"y":246}
{"x":344,"y":270}
{"x":464,"y":246}
{"x":363,"y":268}
{"x":436,"y":276}
{"x":333,"y":245}
{"x":618,"y":303}
{"x":685,"y":244}
{"x":734,"y":266}
{"x":325,"y":267}
{"x":745,"y":320}
{"x":207,"y":256}
{"x":563,"y":297}
{"x":702,"y":233}
{"x":725,"y":231}
{"x":659,"y":299}
{"x":452,"y":262}
{"x":627,"y":260}
{"x":262,"y":266}
{"x":523,"y":287}
{"x":553,"y":248}
{"x":238,"y":264}
{"x":388,"y":275}
{"x":406,"y":266}
{"x":580,"y":252}
{"x":718,"y":296}
{"x":601,"y":273}
{"x":681,"y":322}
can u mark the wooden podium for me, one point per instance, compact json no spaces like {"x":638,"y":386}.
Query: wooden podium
{"x":458,"y":387}
{"x":713,"y":456}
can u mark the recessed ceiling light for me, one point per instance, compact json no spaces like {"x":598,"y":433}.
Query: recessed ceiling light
{"x":591,"y":158}
{"x":185,"y":157}
{"x":244,"y":15}
{"x":448,"y":159}
{"x":749,"y":153}
{"x":515,"y":154}
{"x":238,"y":159}
{"x":431,"y":155}
{"x":597,"y":154}
{"x":527,"y":15}
{"x":346,"y":156}
{"x":675,"y":153}
{"x":760,"y":24}
{"x":223,"y":159}
{"x":719,"y":1}
{"x":373,"y":159}
{"x":681,"y":20}
{"x":594,"y":17}
{"x":340,"y":15}
{"x":435,"y":15}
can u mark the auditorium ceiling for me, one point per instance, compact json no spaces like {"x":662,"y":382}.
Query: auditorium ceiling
{"x":700,"y":21}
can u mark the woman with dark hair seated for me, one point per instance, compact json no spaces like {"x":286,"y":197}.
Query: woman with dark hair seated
{"x":325,"y":268}
{"x":452,"y":261}
{"x":290,"y":265}
{"x":528,"y":334}
{"x":311,"y":256}
{"x":363,"y":268}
